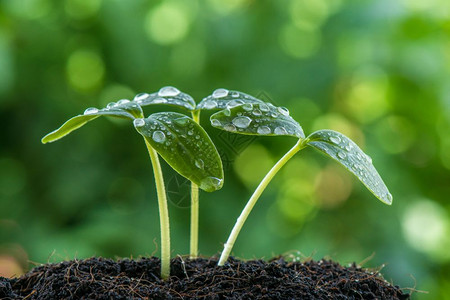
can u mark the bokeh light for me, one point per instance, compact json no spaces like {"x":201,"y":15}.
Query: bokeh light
{"x":85,"y":70}
{"x":169,"y":22}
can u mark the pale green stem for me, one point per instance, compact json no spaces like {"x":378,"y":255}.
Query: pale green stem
{"x":194,"y":221}
{"x":252,"y":201}
{"x":163,"y":212}
{"x":194,"y":207}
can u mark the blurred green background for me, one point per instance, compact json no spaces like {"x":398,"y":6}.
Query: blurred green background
{"x":376,"y":70}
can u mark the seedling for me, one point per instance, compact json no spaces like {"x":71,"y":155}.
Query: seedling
{"x":178,"y":139}
{"x":244,"y":114}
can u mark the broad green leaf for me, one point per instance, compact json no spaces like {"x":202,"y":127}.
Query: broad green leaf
{"x":124,"y":109}
{"x":166,"y":95}
{"x":223,"y":98}
{"x":257,"y":119}
{"x":345,"y":151}
{"x":185,"y":146}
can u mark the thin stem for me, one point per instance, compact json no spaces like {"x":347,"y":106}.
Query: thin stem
{"x":163,"y":212}
{"x":194,"y":207}
{"x":194,"y":221}
{"x":252,"y":201}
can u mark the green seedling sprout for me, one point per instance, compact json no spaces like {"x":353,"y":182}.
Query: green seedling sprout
{"x":178,"y":139}
{"x":244,"y":114}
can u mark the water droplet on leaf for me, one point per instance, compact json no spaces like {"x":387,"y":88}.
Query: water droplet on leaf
{"x":247,"y":106}
{"x":199,"y":163}
{"x":140,"y":97}
{"x":139,"y":122}
{"x":234,"y":103}
{"x":342,"y":154}
{"x":335,"y":139}
{"x":389,"y":197}
{"x":257,"y":112}
{"x":264,"y":107}
{"x":280,"y":131}
{"x":220,"y":93}
{"x":211,"y":184}
{"x":90,"y":111}
{"x":216,"y":123}
{"x":263,"y":130}
{"x":210,"y":104}
{"x":111,"y":105}
{"x":182,"y":121}
{"x":122,"y":101}
{"x":159,"y":136}
{"x":168,"y":91}
{"x":159,"y":100}
{"x":229,"y":127}
{"x":283,"y":110}
{"x":242,"y":122}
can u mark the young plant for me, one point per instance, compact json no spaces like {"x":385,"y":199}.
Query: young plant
{"x":244,"y":114}
{"x":178,"y":139}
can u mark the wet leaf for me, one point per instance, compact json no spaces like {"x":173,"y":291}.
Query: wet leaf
{"x":166,"y":95}
{"x":257,"y":119}
{"x":345,"y":151}
{"x":185,"y":146}
{"x":223,"y":98}
{"x":124,"y":109}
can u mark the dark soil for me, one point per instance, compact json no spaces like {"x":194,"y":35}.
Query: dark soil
{"x":98,"y":278}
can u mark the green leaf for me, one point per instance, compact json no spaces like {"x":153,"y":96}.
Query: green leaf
{"x":345,"y":151}
{"x":185,"y":146}
{"x":223,"y":98}
{"x":257,"y":119}
{"x":166,"y":95}
{"x":124,"y":109}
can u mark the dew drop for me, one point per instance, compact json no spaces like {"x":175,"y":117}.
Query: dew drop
{"x":263,"y":130}
{"x":182,"y":121}
{"x":210,"y":104}
{"x":341,"y":154}
{"x":389,"y":197}
{"x":90,"y":111}
{"x":140,"y":97}
{"x":242,"y":121}
{"x":348,"y":147}
{"x":369,"y":159}
{"x":234,"y":94}
{"x":216,"y":123}
{"x":280,"y":131}
{"x":257,"y":112}
{"x":159,"y":100}
{"x":211,"y":184}
{"x":220,"y":93}
{"x":263,"y":107}
{"x":247,"y":106}
{"x":274,"y":115}
{"x":168,"y":91}
{"x":190,"y":132}
{"x":111,"y":105}
{"x":234,"y":103}
{"x":139,"y":122}
{"x":123,"y":101}
{"x":227,"y":112}
{"x":229,"y":127}
{"x":159,"y":136}
{"x":199,"y":163}
{"x":335,"y":139}
{"x":283,"y":110}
